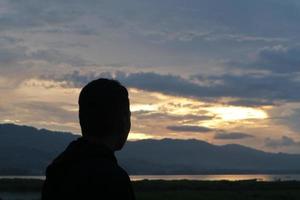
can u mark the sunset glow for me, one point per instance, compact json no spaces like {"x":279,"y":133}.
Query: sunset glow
{"x":231,"y":113}
{"x":191,"y":71}
{"x":138,"y":136}
{"x":143,"y":107}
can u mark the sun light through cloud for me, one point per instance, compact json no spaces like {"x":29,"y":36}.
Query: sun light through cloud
{"x":143,"y":107}
{"x":234,"y":113}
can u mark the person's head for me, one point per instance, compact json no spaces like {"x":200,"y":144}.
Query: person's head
{"x":104,"y":111}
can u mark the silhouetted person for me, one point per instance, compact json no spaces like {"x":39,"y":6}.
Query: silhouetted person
{"x":88,"y":169}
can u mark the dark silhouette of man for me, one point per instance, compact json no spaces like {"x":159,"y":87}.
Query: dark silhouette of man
{"x":88,"y":169}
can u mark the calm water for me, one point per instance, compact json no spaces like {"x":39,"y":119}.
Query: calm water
{"x":232,"y":177}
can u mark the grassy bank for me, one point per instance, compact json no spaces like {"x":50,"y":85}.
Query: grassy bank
{"x":216,"y":190}
{"x":182,"y":189}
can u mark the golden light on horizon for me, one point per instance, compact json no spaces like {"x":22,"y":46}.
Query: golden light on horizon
{"x":235,"y":113}
{"x":160,"y":109}
{"x":138,"y":136}
{"x":168,"y":109}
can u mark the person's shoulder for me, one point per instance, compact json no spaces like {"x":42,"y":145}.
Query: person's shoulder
{"x":106,"y":167}
{"x":120,"y":172}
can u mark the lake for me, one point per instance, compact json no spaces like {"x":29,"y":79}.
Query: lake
{"x":231,"y":177}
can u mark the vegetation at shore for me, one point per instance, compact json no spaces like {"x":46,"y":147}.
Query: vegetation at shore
{"x":184,"y":189}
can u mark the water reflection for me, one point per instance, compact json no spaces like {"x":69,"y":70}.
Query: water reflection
{"x":231,"y":177}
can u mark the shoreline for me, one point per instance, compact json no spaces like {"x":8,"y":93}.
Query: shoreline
{"x":175,"y":189}
{"x":18,"y":184}
{"x":197,"y":177}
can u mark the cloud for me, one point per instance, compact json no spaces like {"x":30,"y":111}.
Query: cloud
{"x":287,"y":115}
{"x":158,"y":45}
{"x":255,"y":89}
{"x":183,"y":15}
{"x":82,"y":29}
{"x":76,"y":78}
{"x":32,"y":13}
{"x":192,"y":33}
{"x":231,"y":86}
{"x":207,"y":36}
{"x":161,"y":116}
{"x":250,"y":90}
{"x":276,"y":59}
{"x":14,"y":55}
{"x":9,"y":40}
{"x":54,"y":56}
{"x":251,"y":102}
{"x":245,"y":38}
{"x":279,"y":59}
{"x":54,"y":111}
{"x":203,"y":14}
{"x":284,"y":141}
{"x":186,"y":128}
{"x":232,"y":136}
{"x":54,"y":115}
{"x":11,"y":55}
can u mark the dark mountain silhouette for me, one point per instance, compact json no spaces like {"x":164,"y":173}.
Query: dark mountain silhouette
{"x":26,"y":150}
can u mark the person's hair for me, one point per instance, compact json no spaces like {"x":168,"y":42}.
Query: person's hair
{"x":103,"y":103}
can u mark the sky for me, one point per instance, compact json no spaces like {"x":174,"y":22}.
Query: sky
{"x":220,"y":71}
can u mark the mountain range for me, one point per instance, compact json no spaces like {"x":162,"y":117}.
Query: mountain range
{"x":26,"y":150}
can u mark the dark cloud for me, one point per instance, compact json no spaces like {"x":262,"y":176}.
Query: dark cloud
{"x":260,"y":89}
{"x":284,"y":141}
{"x":251,"y":102}
{"x":279,"y":59}
{"x":276,"y":59}
{"x":255,"y":89}
{"x":248,"y":89}
{"x":186,"y":128}
{"x":232,"y":136}
{"x":169,"y":84}
{"x":77,"y":79}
